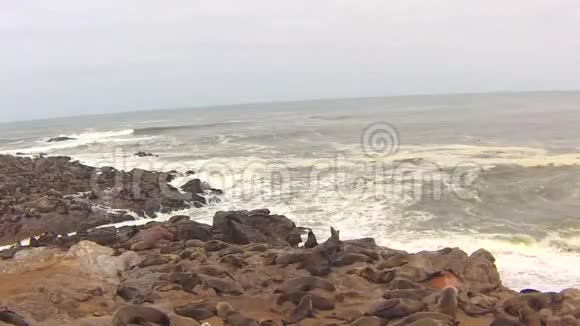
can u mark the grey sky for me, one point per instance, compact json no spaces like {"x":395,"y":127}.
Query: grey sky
{"x":69,"y":57}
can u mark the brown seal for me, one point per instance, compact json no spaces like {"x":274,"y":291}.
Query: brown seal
{"x":303,"y":310}
{"x":138,"y":315}
{"x":447,"y":302}
{"x":12,"y":318}
{"x":311,"y":241}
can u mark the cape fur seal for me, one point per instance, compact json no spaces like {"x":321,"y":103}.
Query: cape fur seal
{"x":12,"y":318}
{"x":138,"y":315}
{"x":447,"y":302}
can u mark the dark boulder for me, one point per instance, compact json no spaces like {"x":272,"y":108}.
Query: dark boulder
{"x":59,"y":139}
{"x":187,"y":230}
{"x":243,"y":227}
{"x":145,"y":154}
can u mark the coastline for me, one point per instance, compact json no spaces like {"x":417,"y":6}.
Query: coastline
{"x":243,"y":258}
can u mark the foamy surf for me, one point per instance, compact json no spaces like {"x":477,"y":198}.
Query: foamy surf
{"x":86,"y":138}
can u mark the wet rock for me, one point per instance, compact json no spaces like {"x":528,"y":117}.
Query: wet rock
{"x":59,"y":139}
{"x":144,"y":154}
{"x":188,"y":230}
{"x":195,"y":186}
{"x":103,"y":236}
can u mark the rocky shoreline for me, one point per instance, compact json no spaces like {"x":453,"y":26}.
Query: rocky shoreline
{"x":60,"y":196}
{"x":247,"y":268}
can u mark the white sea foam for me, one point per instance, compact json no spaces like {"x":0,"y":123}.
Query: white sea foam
{"x":84,"y":138}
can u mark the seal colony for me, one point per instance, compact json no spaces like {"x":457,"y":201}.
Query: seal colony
{"x":247,"y":268}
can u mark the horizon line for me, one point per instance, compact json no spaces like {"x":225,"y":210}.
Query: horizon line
{"x":321,"y":99}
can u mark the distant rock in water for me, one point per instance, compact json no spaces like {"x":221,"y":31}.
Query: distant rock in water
{"x":59,"y":139}
{"x":197,"y":186}
{"x":145,"y":154}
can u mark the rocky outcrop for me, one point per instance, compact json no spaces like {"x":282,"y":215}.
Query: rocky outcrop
{"x":188,"y":272}
{"x":56,"y":196}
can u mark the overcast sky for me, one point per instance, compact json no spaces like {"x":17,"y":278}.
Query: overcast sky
{"x":69,"y":57}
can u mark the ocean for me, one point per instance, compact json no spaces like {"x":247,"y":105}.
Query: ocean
{"x":494,"y":171}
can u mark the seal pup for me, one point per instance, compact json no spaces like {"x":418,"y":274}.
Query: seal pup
{"x":224,"y":309}
{"x":128,"y":315}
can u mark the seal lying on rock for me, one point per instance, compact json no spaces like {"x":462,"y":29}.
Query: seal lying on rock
{"x":305,"y":283}
{"x":445,"y":319}
{"x":196,"y":310}
{"x":395,"y":308}
{"x":374,"y":276}
{"x":129,"y":315}
{"x":318,"y":302}
{"x":411,"y":294}
{"x":12,"y":318}
{"x":233,"y":318}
